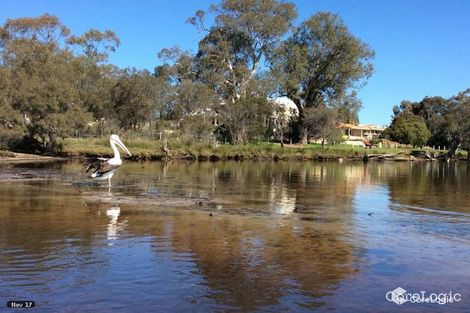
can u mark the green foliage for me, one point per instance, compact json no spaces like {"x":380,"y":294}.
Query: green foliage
{"x":229,"y":56}
{"x":321,"y":124}
{"x":320,"y":64}
{"x":133,"y":98}
{"x":95,"y":44}
{"x":457,"y":122}
{"x":246,"y":118}
{"x":448,"y":121}
{"x":433,"y":111}
{"x":54,"y":85}
{"x":12,"y":127}
{"x":408,"y":128}
{"x":44,"y":80}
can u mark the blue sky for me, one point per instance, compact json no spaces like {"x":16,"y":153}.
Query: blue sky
{"x":422,"y":46}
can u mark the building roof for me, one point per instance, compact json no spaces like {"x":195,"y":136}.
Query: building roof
{"x":286,"y":103}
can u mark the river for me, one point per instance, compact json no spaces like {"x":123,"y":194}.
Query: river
{"x":236,"y":236}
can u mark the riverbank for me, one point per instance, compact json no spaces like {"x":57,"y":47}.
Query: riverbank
{"x":152,"y":150}
{"x":14,"y":157}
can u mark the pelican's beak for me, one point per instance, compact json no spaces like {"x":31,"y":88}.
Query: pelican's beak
{"x":120,"y":144}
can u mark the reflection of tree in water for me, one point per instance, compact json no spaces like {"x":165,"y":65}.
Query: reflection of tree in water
{"x":433,"y":185}
{"x":246,"y":262}
{"x":268,"y":186}
{"x":251,"y":262}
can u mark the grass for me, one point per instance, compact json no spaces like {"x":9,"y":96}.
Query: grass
{"x":151,"y":149}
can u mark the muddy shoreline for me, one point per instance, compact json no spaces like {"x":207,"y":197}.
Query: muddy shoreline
{"x":14,"y":157}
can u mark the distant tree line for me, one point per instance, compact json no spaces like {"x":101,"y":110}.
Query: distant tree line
{"x":55,"y":84}
{"x":433,"y":121}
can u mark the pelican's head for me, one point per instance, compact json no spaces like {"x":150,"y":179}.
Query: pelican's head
{"x":115,"y":138}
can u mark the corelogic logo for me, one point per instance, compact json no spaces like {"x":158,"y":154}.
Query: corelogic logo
{"x":400,"y":296}
{"x":397,"y":296}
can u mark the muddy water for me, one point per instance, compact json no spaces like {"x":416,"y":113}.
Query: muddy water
{"x":238,"y":237}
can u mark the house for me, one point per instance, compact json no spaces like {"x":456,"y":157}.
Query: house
{"x":352,"y":134}
{"x":356,"y":134}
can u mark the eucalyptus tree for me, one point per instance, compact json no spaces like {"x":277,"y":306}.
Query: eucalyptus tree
{"x":321,"y":124}
{"x":320,"y":63}
{"x":133,"y":96}
{"x":44,"y":78}
{"x":229,"y":57}
{"x":95,"y":45}
{"x":40,"y":76}
{"x":12,"y":125}
{"x":188,"y":102}
{"x":457,"y":123}
{"x":94,"y":76}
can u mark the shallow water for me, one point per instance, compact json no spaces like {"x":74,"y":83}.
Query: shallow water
{"x":188,"y":236}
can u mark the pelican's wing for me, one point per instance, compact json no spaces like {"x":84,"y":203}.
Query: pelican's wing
{"x":99,"y":167}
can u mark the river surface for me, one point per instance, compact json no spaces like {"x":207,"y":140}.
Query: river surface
{"x":235,"y":237}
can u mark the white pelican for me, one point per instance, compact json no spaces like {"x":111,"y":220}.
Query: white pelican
{"x":102,"y":168}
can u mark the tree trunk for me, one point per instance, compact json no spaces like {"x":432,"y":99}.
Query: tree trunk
{"x":454,"y":146}
{"x":303,"y":135}
{"x":165,"y":148}
{"x":238,"y":138}
{"x":302,"y":127}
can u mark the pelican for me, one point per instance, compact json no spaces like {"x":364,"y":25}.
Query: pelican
{"x":102,"y":168}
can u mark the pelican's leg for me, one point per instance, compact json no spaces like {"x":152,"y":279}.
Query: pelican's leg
{"x":109,"y":182}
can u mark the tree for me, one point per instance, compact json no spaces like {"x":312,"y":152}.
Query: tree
{"x":191,"y":103}
{"x":408,"y":128}
{"x":457,"y":123}
{"x":46,"y":77}
{"x":433,"y":111}
{"x":96,"y":45}
{"x":244,"y":32}
{"x":40,"y":73}
{"x":446,"y":119}
{"x":347,"y":108}
{"x":12,"y":126}
{"x":321,"y":123}
{"x":133,"y":99}
{"x":194,"y":110}
{"x":280,"y":120}
{"x":320,"y":63}
{"x":246,"y":118}
{"x":229,"y":56}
